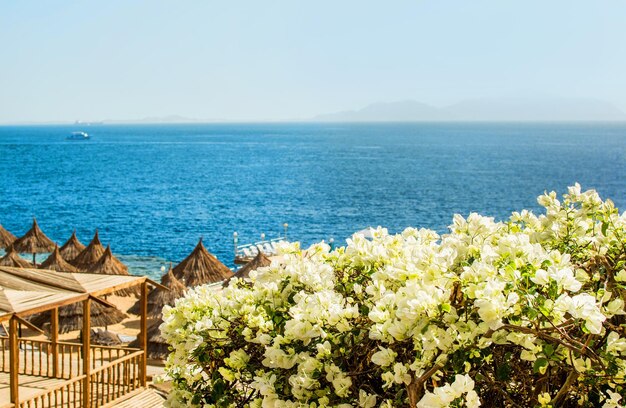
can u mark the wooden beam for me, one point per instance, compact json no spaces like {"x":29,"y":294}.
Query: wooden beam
{"x":44,"y":308}
{"x":54,"y":337}
{"x":110,"y":289}
{"x":87,"y":353}
{"x":143,"y":336}
{"x":14,"y":362}
{"x":28,"y":324}
{"x":103,"y":302}
{"x":157,"y":285}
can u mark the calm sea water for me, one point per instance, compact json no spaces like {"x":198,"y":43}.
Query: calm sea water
{"x":153,"y":190}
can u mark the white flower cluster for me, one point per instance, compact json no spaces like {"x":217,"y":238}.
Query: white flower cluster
{"x":444,"y":396}
{"x":417,"y":319}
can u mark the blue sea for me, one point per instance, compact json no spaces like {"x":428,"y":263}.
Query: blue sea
{"x":153,"y":190}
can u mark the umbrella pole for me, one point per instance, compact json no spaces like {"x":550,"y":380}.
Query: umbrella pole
{"x":34,"y":261}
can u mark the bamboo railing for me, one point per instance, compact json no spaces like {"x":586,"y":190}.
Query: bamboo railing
{"x":107,"y":383}
{"x":116,"y":378}
{"x":67,"y":394}
{"x":37,"y":357}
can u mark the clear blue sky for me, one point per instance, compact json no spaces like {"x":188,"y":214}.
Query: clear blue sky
{"x":235,"y":60}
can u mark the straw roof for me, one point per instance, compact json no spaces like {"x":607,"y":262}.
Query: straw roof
{"x":157,"y":298}
{"x":26,"y":290}
{"x":71,"y":317}
{"x":34,"y":241}
{"x":201,"y":267}
{"x":108,"y":264}
{"x":12,"y":258}
{"x":72,"y":248}
{"x":90,"y":255}
{"x":259,"y":261}
{"x":158,"y":348}
{"x":55,"y":262}
{"x":6,"y":238}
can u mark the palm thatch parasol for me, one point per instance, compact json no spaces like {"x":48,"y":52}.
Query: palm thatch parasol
{"x":33,"y":242}
{"x":110,"y":265}
{"x":158,"y":348}
{"x":259,"y":261}
{"x":56,"y":262}
{"x":72,"y":248}
{"x":71,"y":317}
{"x":104,"y":337}
{"x":90,"y":255}
{"x":12,"y":258}
{"x":157,"y":298}
{"x":200,"y":267}
{"x":6,"y":238}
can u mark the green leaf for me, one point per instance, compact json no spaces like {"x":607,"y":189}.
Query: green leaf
{"x":539,"y":363}
{"x":531,"y":312}
{"x":548,"y":350}
{"x":218,"y":389}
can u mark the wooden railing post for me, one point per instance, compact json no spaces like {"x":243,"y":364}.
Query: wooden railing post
{"x":143,"y":336}
{"x":87,"y":353}
{"x":54,"y":338}
{"x":14,"y":363}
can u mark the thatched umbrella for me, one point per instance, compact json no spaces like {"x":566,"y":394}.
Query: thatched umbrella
{"x":33,"y":242}
{"x":259,"y":261}
{"x":71,"y":317}
{"x":110,"y":265}
{"x":90,"y":255}
{"x":201,"y":267}
{"x":157,"y":298}
{"x":158,"y":348}
{"x":6,"y":238}
{"x":72,"y":248}
{"x":12,"y":258}
{"x":56,"y":262}
{"x":104,"y":337}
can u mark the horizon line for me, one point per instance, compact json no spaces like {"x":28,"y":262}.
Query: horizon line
{"x":308,"y":121}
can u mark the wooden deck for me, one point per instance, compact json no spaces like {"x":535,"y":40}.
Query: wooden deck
{"x":147,"y":398}
{"x":113,"y":373}
{"x":30,"y":385}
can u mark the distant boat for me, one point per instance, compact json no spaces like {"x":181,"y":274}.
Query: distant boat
{"x":78,"y":136}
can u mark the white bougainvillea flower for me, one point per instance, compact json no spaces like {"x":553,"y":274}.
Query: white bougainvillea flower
{"x":489,"y":304}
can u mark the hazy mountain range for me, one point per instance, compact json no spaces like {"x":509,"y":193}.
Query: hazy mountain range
{"x":488,"y":110}
{"x":497,"y":109}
